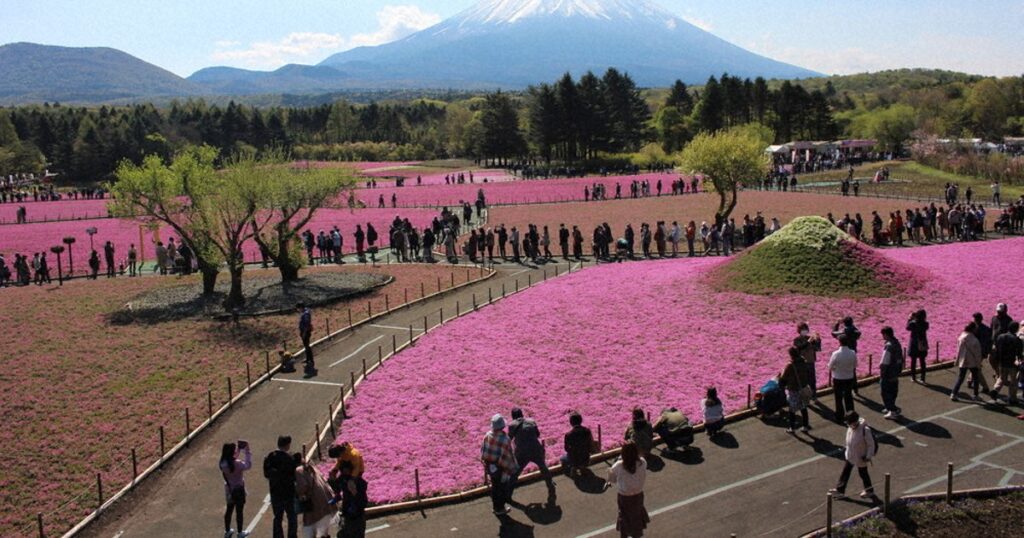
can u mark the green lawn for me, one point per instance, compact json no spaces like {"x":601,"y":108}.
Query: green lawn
{"x":910,"y":179}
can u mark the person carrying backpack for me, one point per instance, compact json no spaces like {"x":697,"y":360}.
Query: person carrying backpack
{"x":860,"y":450}
{"x":890,"y":369}
{"x":527,"y":446}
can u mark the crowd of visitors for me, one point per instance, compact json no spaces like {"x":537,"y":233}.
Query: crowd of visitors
{"x":15,"y":194}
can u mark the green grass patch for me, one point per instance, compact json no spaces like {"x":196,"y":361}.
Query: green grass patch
{"x":810,"y":256}
{"x":912,"y":180}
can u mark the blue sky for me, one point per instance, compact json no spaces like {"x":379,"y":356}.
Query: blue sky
{"x":980,"y":36}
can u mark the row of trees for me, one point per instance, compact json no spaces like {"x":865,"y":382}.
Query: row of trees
{"x":216,"y":211}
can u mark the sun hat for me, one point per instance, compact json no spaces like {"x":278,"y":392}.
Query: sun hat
{"x":498,"y":422}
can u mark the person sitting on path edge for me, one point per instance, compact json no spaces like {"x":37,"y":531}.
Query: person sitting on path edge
{"x":579,"y":445}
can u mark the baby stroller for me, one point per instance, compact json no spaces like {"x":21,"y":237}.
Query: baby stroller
{"x":770,"y":399}
{"x":621,"y":250}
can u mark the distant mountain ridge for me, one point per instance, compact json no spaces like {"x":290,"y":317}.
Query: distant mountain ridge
{"x":515,"y":43}
{"x":36,"y":73}
{"x":507,"y":44}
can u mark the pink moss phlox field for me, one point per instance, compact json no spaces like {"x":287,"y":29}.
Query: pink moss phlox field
{"x":55,"y":210}
{"x":362,"y":166}
{"x":516,"y":191}
{"x":613,"y":337}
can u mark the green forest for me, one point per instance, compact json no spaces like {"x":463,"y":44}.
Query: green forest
{"x":568,"y":121}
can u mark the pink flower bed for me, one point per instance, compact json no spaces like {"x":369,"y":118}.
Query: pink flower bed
{"x":57,"y":210}
{"x":37,"y":237}
{"x":506,"y":191}
{"x":362,"y":166}
{"x":617,"y":336}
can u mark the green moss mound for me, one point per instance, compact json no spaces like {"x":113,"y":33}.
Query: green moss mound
{"x":811,"y":256}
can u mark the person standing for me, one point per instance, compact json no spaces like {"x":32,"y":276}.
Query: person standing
{"x":500,"y":464}
{"x":860,"y":450}
{"x":525,"y":436}
{"x":674,"y":236}
{"x":691,"y":235}
{"x":306,"y":334}
{"x":133,"y":260}
{"x":563,"y":241}
{"x":577,"y":243}
{"x":314,"y":495}
{"x":279,"y":470}
{"x":917,"y":326}
{"x":231,"y":468}
{"x":354,"y":501}
{"x":1007,"y":353}
{"x":809,"y":345}
{"x":889,"y":373}
{"x":968,"y":359}
{"x":843,"y":365}
{"x":108,"y":255}
{"x":628,"y":475}
{"x":94,"y":266}
{"x":796,"y":379}
{"x":514,"y":239}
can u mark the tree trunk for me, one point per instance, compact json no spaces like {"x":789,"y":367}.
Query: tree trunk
{"x":209,"y":278}
{"x":235,"y":297}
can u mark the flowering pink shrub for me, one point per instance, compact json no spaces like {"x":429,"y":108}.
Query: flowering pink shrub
{"x":613,"y":337}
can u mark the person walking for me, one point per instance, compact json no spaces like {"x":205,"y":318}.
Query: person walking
{"x":1007,"y":353}
{"x":306,"y":334}
{"x":889,"y":373}
{"x":314,"y":498}
{"x":968,"y":359}
{"x":231,"y":468}
{"x":528,"y":448}
{"x":499,"y":464}
{"x":796,"y":378}
{"x":843,"y":365}
{"x":354,"y":501}
{"x":917,"y":326}
{"x":279,"y":470}
{"x":629,"y":475}
{"x":859,"y":451}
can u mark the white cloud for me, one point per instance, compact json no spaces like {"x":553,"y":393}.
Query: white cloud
{"x":394,"y":22}
{"x":297,"y":46}
{"x":698,"y":22}
{"x":838,"y":61}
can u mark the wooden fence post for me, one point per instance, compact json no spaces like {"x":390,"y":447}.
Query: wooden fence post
{"x":364,"y":368}
{"x":162,"y":451}
{"x":949,"y":481}
{"x":99,"y":490}
{"x":352,"y":375}
{"x":749,"y":394}
{"x":209,"y":404}
{"x":135,"y":467}
{"x":387,"y":303}
{"x":188,"y":427}
{"x":39,"y":521}
{"x":330,"y":418}
{"x":418,"y":498}
{"x":248,"y":376}
{"x":406,"y":292}
{"x":319,"y":455}
{"x":230,"y":393}
{"x":349,"y":318}
{"x":828,"y":514}
{"x":885,"y":503}
{"x":266,"y":357}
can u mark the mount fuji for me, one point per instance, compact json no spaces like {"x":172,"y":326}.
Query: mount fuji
{"x":515,"y":43}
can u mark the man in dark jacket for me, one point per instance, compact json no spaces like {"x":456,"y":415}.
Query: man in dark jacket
{"x":850,"y":330}
{"x":579,"y":444}
{"x":985,"y":337}
{"x":353,"y":503}
{"x":1007,"y":352}
{"x":279,"y":470}
{"x":563,"y":241}
{"x":527,"y":445}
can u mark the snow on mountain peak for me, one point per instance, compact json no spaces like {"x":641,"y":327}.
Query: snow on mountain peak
{"x":512,"y":11}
